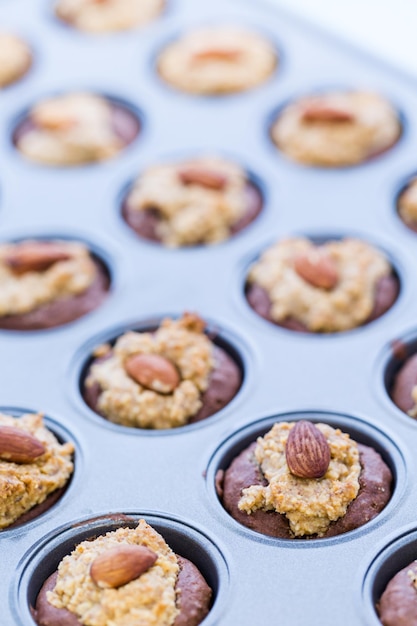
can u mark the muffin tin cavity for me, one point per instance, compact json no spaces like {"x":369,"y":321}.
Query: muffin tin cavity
{"x":186,"y":541}
{"x":406,"y":203}
{"x":226,"y":381}
{"x":399,"y":373}
{"x":358,"y":429}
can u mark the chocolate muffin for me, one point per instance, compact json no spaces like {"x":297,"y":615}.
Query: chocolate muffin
{"x":398,"y":604}
{"x":128,"y":574}
{"x":404,"y":387}
{"x":107,"y":16}
{"x":217,"y":60}
{"x":305,"y":480}
{"x":336,"y":129}
{"x":167,"y":378}
{"x":407,"y":205}
{"x":326,"y":288}
{"x":75,"y":128}
{"x":15,"y":59}
{"x":48,"y":283}
{"x":203,"y":200}
{"x":34,"y":468}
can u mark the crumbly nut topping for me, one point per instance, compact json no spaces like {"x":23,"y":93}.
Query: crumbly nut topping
{"x":412,"y":575}
{"x":310,"y":504}
{"x":71,"y":129}
{"x":191,"y":212}
{"x":149,"y":599}
{"x":101,"y":16}
{"x":124,"y":401}
{"x":217,"y":60}
{"x":407,"y":203}
{"x":23,"y":293}
{"x":373,"y":127}
{"x":23,"y":486}
{"x":347,"y":305}
{"x":15,"y":58}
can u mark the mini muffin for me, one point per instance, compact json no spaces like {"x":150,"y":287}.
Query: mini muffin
{"x":127,"y":576}
{"x":336,"y":129}
{"x":398,"y":604}
{"x":305,"y":480}
{"x":105,"y":16}
{"x":217,"y":60}
{"x":200,"y":201}
{"x":34,"y":468}
{"x":404,"y":387}
{"x":163,"y":379}
{"x":75,"y":128}
{"x":15,"y":59}
{"x":325,"y":288}
{"x":407,"y":205}
{"x":48,"y":283}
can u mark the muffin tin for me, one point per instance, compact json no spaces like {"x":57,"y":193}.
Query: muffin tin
{"x":167,"y":476}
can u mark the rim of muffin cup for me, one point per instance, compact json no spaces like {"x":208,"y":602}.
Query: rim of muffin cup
{"x":233,"y":344}
{"x":275,"y":112}
{"x":64,"y":435}
{"x":399,"y":271}
{"x":117,"y":101}
{"x":358,"y":427}
{"x":253,"y":180}
{"x":98,"y":252}
{"x":395,"y":553}
{"x":184,"y":538}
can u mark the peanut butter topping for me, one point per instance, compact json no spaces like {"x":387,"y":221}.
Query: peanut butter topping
{"x":198,"y":200}
{"x":148,"y":599}
{"x":309,"y":504}
{"x":24,"y":289}
{"x":217,"y":60}
{"x":70,"y":129}
{"x":407,"y":204}
{"x":24,"y":485}
{"x":336,"y":129}
{"x":358,"y":267}
{"x":125,"y":401}
{"x":15,"y":58}
{"x":101,"y":16}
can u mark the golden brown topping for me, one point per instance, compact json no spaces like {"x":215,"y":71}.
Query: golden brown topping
{"x":307,"y":451}
{"x":19,"y":446}
{"x":153,"y":371}
{"x":192,"y":322}
{"x":120,"y":565}
{"x":324,"y":112}
{"x":217,"y":54}
{"x":35,"y":257}
{"x":202,"y":176}
{"x":318,"y":268}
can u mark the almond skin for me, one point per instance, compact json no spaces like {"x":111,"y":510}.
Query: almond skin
{"x":217,"y":54}
{"x":204,"y":177}
{"x":322,"y":112}
{"x":317,"y":268}
{"x":19,"y":446}
{"x":307,"y":451}
{"x":120,"y":565}
{"x":153,"y":371}
{"x":35,"y":257}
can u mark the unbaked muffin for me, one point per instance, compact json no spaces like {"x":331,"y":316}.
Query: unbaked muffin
{"x":305,"y":480}
{"x":75,"y":128}
{"x":169,"y":377}
{"x":203,"y":200}
{"x":336,"y":129}
{"x":327,"y":288}
{"x":398,"y":603}
{"x":48,"y":283}
{"x":106,"y":16}
{"x":407,"y":205}
{"x":34,"y":468}
{"x":15,"y":59}
{"x":128,"y":576}
{"x":217,"y":60}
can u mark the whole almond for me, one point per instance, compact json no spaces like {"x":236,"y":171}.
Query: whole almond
{"x":317,"y":268}
{"x":120,"y":565}
{"x":307,"y":451}
{"x":36,"y":256}
{"x":217,"y":54}
{"x":204,"y":177}
{"x":19,"y":446}
{"x":322,"y":112}
{"x":153,"y":371}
